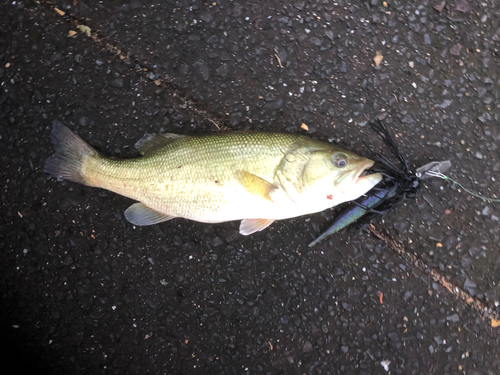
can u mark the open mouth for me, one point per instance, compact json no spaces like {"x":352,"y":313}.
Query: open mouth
{"x":362,"y":171}
{"x":358,"y":181}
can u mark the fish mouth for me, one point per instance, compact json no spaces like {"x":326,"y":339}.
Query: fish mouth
{"x":358,"y":181}
{"x":363,"y":180}
{"x":362,"y":172}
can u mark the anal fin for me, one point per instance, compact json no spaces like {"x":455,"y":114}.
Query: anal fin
{"x":249,"y":226}
{"x":140,"y":214}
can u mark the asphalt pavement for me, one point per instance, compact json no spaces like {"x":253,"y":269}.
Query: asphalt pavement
{"x":85,"y":292}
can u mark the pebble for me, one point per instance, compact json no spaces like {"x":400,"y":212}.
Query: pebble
{"x":273,"y":106}
{"x":202,"y":69}
{"x":487,"y":211}
{"x":470,"y":286}
{"x":117,"y":82}
{"x":455,"y":50}
{"x":307,"y":348}
{"x":453,"y":318}
{"x":235,"y":118}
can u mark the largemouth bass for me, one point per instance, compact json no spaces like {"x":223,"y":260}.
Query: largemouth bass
{"x":255,"y":177}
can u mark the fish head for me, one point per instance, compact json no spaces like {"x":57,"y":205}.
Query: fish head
{"x":335,"y":176}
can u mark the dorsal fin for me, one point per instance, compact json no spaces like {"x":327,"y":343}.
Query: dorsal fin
{"x":152,"y":142}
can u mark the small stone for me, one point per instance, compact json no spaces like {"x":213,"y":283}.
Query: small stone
{"x":269,"y":97}
{"x":407,"y":119}
{"x":385,"y":365}
{"x":135,"y":5}
{"x":231,"y":234}
{"x":202,"y":70}
{"x":407,"y":296}
{"x":217,"y":241}
{"x":474,"y":251}
{"x":393,"y":336}
{"x":273,"y":106}
{"x":346,"y":306}
{"x":235,"y":118}
{"x":307,"y":347}
{"x":222,"y":70}
{"x":481,"y":91}
{"x":399,"y":225}
{"x":455,"y":50}
{"x":487,"y":211}
{"x":316,"y":41}
{"x":206,"y":17}
{"x":470,"y":286}
{"x":117,"y":82}
{"x":83,"y":121}
{"x":462,"y":6}
{"x":237,"y":10}
{"x":453,"y":318}
{"x":445,"y":104}
{"x":338,"y":271}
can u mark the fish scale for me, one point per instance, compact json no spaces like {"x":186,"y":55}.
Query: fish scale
{"x":191,"y":177}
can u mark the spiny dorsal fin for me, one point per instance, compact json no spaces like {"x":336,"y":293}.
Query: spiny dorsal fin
{"x":152,"y":142}
{"x":140,"y":214}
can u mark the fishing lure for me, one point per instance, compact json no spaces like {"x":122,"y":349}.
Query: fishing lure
{"x":398,"y":185}
{"x":352,"y":214}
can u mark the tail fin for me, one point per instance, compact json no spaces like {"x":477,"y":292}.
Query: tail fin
{"x":71,"y":152}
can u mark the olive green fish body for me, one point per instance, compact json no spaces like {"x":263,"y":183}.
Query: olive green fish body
{"x":251,"y":176}
{"x":195,"y":177}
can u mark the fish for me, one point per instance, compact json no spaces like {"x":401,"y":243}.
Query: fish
{"x":255,"y":177}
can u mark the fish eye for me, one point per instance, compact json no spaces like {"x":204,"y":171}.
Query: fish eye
{"x":340,"y":160}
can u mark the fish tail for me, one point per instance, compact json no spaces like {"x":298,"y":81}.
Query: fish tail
{"x":71,"y":152}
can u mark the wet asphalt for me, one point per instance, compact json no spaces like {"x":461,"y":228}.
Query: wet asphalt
{"x":85,"y":292}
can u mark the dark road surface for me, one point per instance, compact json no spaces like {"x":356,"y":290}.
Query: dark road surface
{"x":85,"y":292}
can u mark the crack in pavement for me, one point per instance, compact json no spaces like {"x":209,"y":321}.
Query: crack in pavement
{"x":485,"y":311}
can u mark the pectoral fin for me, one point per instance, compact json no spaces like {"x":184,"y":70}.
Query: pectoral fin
{"x":140,"y":214}
{"x":249,"y":226}
{"x":255,"y":184}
